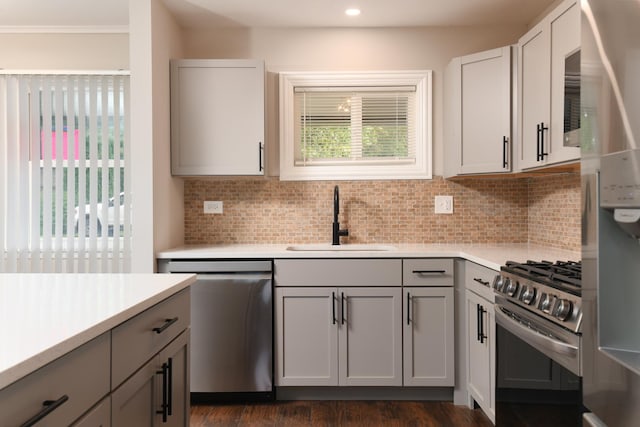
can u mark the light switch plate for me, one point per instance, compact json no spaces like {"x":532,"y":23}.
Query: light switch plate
{"x":212,"y":207}
{"x":444,"y":204}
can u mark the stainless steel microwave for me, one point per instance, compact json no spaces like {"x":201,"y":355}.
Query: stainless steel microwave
{"x":572,"y":100}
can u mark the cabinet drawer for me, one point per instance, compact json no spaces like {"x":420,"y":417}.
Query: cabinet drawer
{"x":138,"y":339}
{"x":479,"y":279}
{"x":81,"y":375}
{"x":427,"y":272}
{"x":338,"y":272}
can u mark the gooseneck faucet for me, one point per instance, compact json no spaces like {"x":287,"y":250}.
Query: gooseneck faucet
{"x":336,"y":225}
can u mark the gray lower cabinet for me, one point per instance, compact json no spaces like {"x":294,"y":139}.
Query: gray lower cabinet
{"x":338,"y":336}
{"x":481,"y":337}
{"x":125,"y":377}
{"x":71,"y":384}
{"x":344,"y":322}
{"x":428,"y":337}
{"x":145,"y":400}
{"x":149,"y":371}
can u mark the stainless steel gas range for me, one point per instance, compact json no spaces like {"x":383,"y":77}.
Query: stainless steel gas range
{"x":538,"y":311}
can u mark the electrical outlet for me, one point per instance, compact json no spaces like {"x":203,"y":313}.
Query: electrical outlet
{"x":211,"y":207}
{"x":444,"y":204}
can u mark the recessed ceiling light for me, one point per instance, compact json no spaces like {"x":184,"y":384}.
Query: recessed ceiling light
{"x":352,"y":12}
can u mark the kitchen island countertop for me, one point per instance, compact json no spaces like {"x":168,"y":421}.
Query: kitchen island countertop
{"x":44,"y":316}
{"x":489,"y":255}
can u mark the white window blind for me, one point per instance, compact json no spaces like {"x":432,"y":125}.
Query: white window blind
{"x":355,"y":125}
{"x":64,"y":181}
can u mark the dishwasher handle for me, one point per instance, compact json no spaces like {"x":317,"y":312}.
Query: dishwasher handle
{"x":228,"y":277}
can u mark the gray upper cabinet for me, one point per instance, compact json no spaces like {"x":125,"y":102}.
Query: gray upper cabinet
{"x":478,"y":99}
{"x":217,"y":117}
{"x":541,"y":61}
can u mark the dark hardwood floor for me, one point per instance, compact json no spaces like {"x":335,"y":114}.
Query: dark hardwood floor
{"x":338,"y":413}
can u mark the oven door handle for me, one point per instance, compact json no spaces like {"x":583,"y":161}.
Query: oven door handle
{"x":534,"y":337}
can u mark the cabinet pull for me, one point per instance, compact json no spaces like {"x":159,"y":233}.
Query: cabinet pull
{"x":543,"y":128}
{"x":342,"y":306}
{"x":421,"y":272}
{"x":49,"y":407}
{"x":333,"y":307}
{"x":482,"y":335}
{"x":165,"y":387}
{"x":169,"y":385}
{"x":260,"y":151}
{"x":167,"y":323}
{"x":408,"y":308}
{"x":478,"y":322}
{"x":482,"y":282}
{"x":505,"y":146}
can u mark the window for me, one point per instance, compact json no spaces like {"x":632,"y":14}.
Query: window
{"x":355,"y":126}
{"x":64,"y":203}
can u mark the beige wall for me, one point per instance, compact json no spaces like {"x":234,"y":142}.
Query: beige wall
{"x":157,"y":199}
{"x":42,"y":51}
{"x":340,"y":49}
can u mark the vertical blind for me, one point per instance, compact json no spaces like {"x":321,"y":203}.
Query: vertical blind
{"x":64,"y":178}
{"x":338,"y":125}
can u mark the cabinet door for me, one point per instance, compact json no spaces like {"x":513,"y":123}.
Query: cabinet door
{"x":565,"y":40}
{"x":370,"y":338}
{"x":485,"y":122}
{"x":134,"y":403}
{"x":217,"y":117}
{"x":535,"y":86}
{"x":481,"y":352}
{"x":428,"y":337}
{"x":176,"y":356}
{"x":306,"y":351}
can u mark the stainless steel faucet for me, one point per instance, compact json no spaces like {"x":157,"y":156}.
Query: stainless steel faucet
{"x":336,"y":225}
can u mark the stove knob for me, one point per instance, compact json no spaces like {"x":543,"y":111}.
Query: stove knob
{"x":512,"y":288}
{"x":545,"y":303}
{"x":563,"y":309}
{"x":498,"y":283}
{"x":528,"y":294}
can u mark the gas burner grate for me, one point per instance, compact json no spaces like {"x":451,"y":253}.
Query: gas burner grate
{"x":565,"y":275}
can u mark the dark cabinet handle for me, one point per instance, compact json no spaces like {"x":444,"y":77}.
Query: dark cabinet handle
{"x":482,"y":282}
{"x":169,"y":385}
{"x":482,"y":336}
{"x":49,"y":407}
{"x":333,"y":307}
{"x":419,"y":272}
{"x":505,"y":146}
{"x":540,"y":128}
{"x":165,"y":387}
{"x":543,"y":128}
{"x":260,"y":152}
{"x":342,"y":306}
{"x":167,"y":323}
{"x":408,"y":308}
{"x":478,"y":323}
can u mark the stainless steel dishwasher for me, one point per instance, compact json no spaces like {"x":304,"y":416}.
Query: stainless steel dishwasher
{"x":231,"y":328}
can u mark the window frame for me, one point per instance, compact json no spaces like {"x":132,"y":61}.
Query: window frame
{"x":420,"y":169}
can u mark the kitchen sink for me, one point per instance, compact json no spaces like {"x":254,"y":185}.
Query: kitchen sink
{"x":341,"y":248}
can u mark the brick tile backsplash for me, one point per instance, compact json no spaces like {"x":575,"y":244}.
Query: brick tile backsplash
{"x":485,"y":211}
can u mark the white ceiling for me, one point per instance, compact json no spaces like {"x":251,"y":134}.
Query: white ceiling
{"x":276,"y":13}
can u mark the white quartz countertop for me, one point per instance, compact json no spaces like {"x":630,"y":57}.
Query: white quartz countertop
{"x":44,"y":316}
{"x":490,"y":255}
